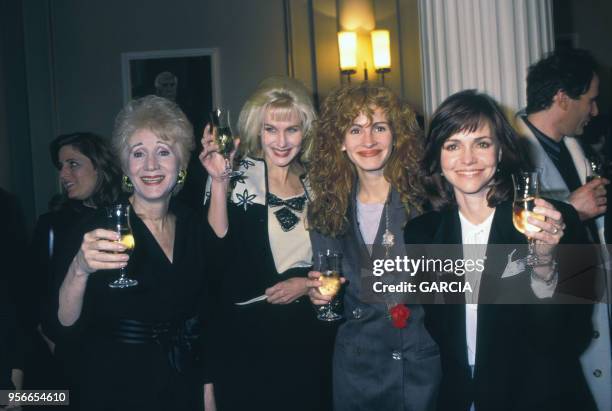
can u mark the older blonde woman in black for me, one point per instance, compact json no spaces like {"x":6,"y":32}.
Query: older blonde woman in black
{"x":139,"y":346}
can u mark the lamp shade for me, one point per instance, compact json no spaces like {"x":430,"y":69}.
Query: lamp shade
{"x":381,"y":49}
{"x":347,"y":46}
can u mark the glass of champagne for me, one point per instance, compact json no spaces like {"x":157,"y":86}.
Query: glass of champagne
{"x":594,"y":168}
{"x":119,"y":218}
{"x":526,"y":190}
{"x":330,"y":266}
{"x":223,"y":137}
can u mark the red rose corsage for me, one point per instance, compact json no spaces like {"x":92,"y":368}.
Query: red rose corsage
{"x":399,"y":315}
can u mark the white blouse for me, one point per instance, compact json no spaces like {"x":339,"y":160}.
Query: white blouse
{"x":291,"y":248}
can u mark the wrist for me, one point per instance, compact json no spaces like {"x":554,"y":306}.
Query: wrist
{"x":305,"y":287}
{"x":78,"y":272}
{"x":544,"y":271}
{"x":219,"y":184}
{"x":545,"y":260}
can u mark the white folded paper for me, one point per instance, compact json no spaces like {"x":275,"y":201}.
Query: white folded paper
{"x":253,"y":300}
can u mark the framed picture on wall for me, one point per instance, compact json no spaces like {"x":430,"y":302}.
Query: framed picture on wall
{"x":190,"y":77}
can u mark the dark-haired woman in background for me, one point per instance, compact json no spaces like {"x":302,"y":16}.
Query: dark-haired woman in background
{"x":89,"y":178}
{"x":495,"y":356}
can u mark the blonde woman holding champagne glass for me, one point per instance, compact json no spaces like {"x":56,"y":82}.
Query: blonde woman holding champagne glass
{"x":141,"y":347}
{"x":273,"y":353}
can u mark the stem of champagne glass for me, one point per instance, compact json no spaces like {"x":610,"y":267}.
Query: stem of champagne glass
{"x":122,"y":273}
{"x":532,"y":256}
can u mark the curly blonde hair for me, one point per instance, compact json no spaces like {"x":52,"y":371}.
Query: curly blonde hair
{"x":332,"y":174}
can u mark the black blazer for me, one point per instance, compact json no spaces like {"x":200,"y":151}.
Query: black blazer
{"x":527,"y":354}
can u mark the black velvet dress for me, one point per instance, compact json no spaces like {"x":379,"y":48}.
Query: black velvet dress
{"x":141,"y":348}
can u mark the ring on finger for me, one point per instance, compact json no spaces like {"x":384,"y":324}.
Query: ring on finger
{"x":555,"y":230}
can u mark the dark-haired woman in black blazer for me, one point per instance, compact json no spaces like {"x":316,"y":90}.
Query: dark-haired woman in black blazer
{"x":497,"y":356}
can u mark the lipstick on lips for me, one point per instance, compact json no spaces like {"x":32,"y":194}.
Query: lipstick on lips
{"x":281,"y":152}
{"x":468,"y":173}
{"x":152,"y":180}
{"x":369,"y":153}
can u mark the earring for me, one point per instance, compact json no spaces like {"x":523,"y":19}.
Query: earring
{"x":126,"y":184}
{"x":180,"y":181}
{"x":182,"y":175}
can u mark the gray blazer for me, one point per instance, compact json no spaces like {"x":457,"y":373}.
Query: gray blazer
{"x":376,"y":366}
{"x":552,"y":184}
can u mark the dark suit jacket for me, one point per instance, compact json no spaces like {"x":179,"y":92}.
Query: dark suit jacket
{"x":527,"y":355}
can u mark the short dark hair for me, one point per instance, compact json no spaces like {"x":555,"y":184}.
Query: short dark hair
{"x":467,"y":111}
{"x":97,"y":150}
{"x":570,"y":70}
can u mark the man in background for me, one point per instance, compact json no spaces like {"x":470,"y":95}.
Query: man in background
{"x":562,"y":91}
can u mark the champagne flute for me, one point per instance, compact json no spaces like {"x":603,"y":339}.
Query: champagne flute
{"x":526,"y":190}
{"x":594,"y":168}
{"x":223,"y":137}
{"x":119,"y":217}
{"x":330,"y":266}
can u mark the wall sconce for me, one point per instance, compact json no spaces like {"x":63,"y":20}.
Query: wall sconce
{"x":347,"y":47}
{"x":381,"y":50}
{"x":381,"y":53}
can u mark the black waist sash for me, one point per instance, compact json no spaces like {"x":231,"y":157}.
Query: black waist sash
{"x":178,"y":339}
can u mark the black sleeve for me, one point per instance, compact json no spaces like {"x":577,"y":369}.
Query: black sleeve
{"x":64,"y":254}
{"x":579,"y":261}
{"x":211,"y":337}
{"x":39,"y":266}
{"x":418,"y":238}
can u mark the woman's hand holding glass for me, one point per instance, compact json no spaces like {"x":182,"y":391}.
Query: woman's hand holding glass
{"x":314,"y":284}
{"x":549,"y":234}
{"x":100,"y":250}
{"x":212,"y":159}
{"x":324,"y":286}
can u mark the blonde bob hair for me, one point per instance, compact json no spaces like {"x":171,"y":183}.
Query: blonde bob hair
{"x":163,"y":118}
{"x":283,"y":96}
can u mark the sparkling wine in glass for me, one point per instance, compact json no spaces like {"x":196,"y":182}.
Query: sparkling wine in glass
{"x":594,"y":168}
{"x":526,"y":190}
{"x":119,"y":218}
{"x":223,"y":137}
{"x":330,"y":266}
